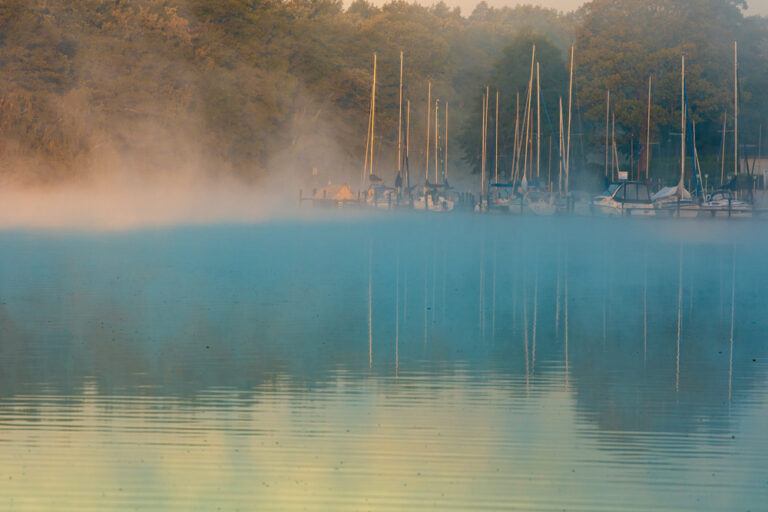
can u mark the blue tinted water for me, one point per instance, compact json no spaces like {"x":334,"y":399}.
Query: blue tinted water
{"x":395,"y":363}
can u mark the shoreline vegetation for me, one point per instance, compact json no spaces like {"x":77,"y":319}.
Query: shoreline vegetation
{"x":255,"y":90}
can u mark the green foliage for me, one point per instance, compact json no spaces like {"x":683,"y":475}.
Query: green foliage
{"x":620,"y":43}
{"x":229,"y":84}
{"x":510,"y":76}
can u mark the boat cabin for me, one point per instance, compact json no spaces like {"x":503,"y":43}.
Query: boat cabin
{"x":631,"y":192}
{"x":624,"y":198}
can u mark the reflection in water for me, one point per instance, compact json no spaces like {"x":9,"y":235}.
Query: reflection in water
{"x":557,"y":294}
{"x":445,"y":273}
{"x":481,"y":294}
{"x":535,"y":314}
{"x":370,"y":305}
{"x":565,"y":319}
{"x":645,"y":307}
{"x":224,"y":367}
{"x":426,"y":309}
{"x":493,"y":294}
{"x":605,"y":295}
{"x":397,"y":316}
{"x":525,"y":328}
{"x":679,"y":319}
{"x":733,"y":318}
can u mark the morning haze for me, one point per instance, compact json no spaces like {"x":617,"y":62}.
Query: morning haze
{"x":286,"y":255}
{"x":276,"y":95}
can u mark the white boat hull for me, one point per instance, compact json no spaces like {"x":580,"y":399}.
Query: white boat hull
{"x":620,"y":209}
{"x":671,"y":209}
{"x":441,"y":205}
{"x":726,"y":209}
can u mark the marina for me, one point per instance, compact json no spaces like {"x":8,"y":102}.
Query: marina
{"x":372,"y":256}
{"x":525,"y":190}
{"x":622,"y":199}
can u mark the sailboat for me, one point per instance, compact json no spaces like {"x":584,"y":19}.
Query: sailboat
{"x":677,"y":201}
{"x":540,"y":202}
{"x":377,"y":195}
{"x":501,"y":196}
{"x":436,"y":197}
{"x":565,"y":200}
{"x":723,"y":201}
{"x":520,"y":195}
{"x":629,"y":198}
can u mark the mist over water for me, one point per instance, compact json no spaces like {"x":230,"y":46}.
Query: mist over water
{"x":165,"y":193}
{"x":119,"y":202}
{"x":393,"y":362}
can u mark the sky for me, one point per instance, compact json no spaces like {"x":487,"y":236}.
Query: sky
{"x":755,"y":6}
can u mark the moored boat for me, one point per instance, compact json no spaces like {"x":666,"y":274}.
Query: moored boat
{"x":435,"y":198}
{"x":630,"y":198}
{"x":723,"y":203}
{"x":675,"y":202}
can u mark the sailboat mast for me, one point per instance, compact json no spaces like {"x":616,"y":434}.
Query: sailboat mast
{"x":697,"y":178}
{"x":369,"y":133}
{"x":527,"y":117}
{"x":648,"y":130}
{"x":560,"y":153}
{"x":513,"y":172}
{"x":614,"y":155}
{"x":485,"y":134}
{"x":437,"y":155}
{"x":400,"y":119}
{"x":570,"y":103}
{"x":407,"y":143}
{"x":429,"y":115}
{"x":367,"y":147}
{"x":373,"y":113}
{"x":538,"y":122}
{"x":482,"y":146}
{"x":524,"y":143}
{"x":496,"y":146}
{"x":445,"y":143}
{"x":615,"y":164}
{"x":722,"y":150}
{"x":682,"y":134}
{"x":530,"y":143}
{"x":736,"y":108}
{"x":607,"y":131}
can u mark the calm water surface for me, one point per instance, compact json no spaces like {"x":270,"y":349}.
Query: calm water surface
{"x":449,"y":363}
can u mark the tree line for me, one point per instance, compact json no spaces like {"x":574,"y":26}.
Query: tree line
{"x":249,"y":87}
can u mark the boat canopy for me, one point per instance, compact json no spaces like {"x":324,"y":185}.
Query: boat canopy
{"x":632,"y":191}
{"x":670,"y":192}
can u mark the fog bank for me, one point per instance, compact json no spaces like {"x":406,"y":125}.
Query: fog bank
{"x":123,"y":202}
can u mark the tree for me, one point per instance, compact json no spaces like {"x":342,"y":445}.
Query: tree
{"x":510,"y":76}
{"x":622,"y":42}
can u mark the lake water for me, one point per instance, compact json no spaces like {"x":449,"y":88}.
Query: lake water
{"x":394,"y":363}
